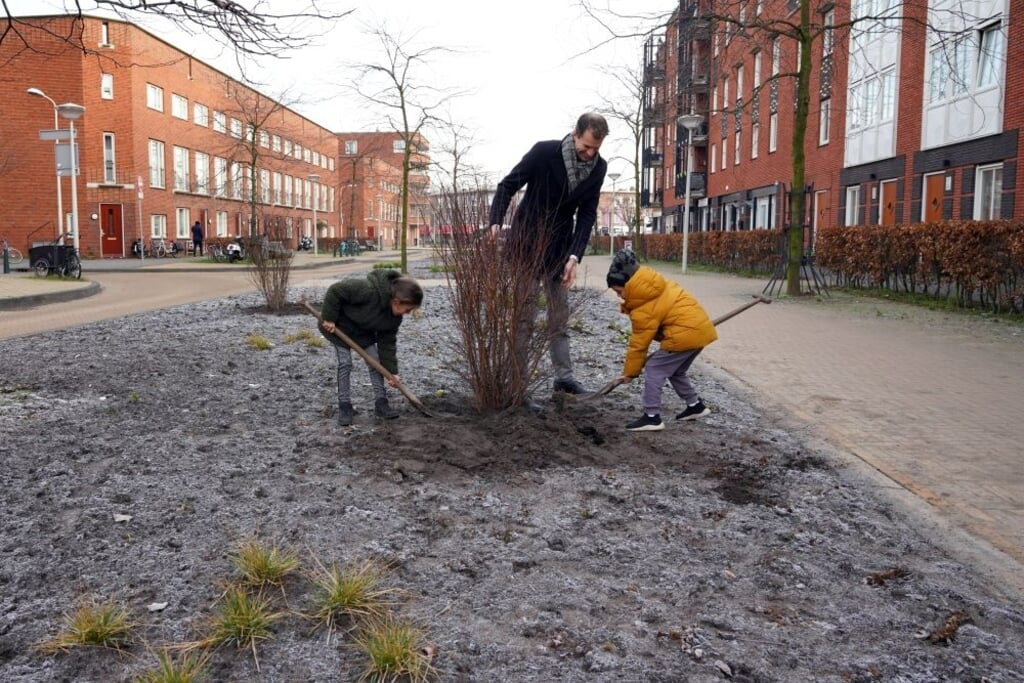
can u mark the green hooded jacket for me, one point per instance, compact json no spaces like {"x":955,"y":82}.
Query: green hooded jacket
{"x":361,"y":308}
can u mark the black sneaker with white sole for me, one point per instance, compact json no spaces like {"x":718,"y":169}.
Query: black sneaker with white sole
{"x":694,"y":412}
{"x":646,"y":423}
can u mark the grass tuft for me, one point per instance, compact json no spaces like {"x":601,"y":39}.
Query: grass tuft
{"x":243,"y":620}
{"x":258,"y":342}
{"x":186,"y":668}
{"x":262,"y":565}
{"x":357,"y":590}
{"x":92,"y":623}
{"x":397,"y":651}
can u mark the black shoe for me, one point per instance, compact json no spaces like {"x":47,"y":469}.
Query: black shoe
{"x":345,"y":414}
{"x":697,"y":410}
{"x":569,"y":386}
{"x":646,"y":423}
{"x":384,"y":411}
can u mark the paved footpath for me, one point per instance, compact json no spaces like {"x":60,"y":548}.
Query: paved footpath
{"x":927,"y":404}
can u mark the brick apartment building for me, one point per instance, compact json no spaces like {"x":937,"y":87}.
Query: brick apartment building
{"x":166,"y":140}
{"x":370,"y":182}
{"x":905,"y":123}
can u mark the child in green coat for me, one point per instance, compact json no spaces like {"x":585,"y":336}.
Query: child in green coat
{"x":369,"y":311}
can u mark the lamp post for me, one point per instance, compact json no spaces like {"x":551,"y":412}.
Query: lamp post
{"x":72,"y":112}
{"x":611,"y":217}
{"x":59,"y":226}
{"x":689,"y":122}
{"x":314,"y":178}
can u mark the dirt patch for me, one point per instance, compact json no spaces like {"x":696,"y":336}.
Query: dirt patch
{"x":555,"y":547}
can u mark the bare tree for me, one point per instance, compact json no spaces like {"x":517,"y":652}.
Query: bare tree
{"x":627,"y":107}
{"x":252,"y":30}
{"x":394,"y":85}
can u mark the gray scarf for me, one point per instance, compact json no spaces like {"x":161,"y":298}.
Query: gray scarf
{"x":577,"y":170}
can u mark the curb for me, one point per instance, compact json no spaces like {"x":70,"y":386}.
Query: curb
{"x":32,"y":300}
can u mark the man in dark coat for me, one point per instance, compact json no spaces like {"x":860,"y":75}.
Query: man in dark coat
{"x":563,"y":181}
{"x":197,"y":238}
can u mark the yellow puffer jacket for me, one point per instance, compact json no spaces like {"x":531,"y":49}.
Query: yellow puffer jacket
{"x":660,"y":310}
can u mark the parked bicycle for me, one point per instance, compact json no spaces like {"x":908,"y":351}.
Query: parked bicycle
{"x":216,"y":253}
{"x":13,"y":255}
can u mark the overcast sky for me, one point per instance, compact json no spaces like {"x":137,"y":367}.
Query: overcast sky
{"x":519,"y":66}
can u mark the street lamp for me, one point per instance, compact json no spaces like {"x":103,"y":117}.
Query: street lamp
{"x":689,"y":122}
{"x":72,"y":112}
{"x":59,"y":226}
{"x":314,"y":178}
{"x":611,"y":218}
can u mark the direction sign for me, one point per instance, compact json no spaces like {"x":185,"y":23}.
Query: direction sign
{"x":59,"y":134}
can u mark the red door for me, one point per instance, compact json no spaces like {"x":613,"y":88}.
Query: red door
{"x":111,"y":230}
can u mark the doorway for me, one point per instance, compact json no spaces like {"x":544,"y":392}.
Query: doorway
{"x":111,"y":230}
{"x":887,"y":215}
{"x":934,"y":188}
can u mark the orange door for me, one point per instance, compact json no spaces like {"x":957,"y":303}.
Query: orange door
{"x":934,"y":186}
{"x":111,"y":230}
{"x":887,"y":215}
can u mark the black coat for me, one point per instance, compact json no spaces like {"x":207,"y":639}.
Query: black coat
{"x":548,"y":213}
{"x":361,"y":308}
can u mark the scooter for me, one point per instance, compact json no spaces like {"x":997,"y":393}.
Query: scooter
{"x":305,"y":243}
{"x":234,"y":250}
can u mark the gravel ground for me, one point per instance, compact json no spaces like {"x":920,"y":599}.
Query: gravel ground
{"x":139,"y":452}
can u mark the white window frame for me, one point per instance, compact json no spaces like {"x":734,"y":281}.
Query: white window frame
{"x":275,"y":144}
{"x":276,"y":185}
{"x":107,"y":86}
{"x":180,"y":164}
{"x":351,"y":147}
{"x":105,"y":35}
{"x":109,"y":158}
{"x":853,"y":204}
{"x":988,"y":191}
{"x":398,"y":146}
{"x":220,"y":221}
{"x":154,"y":97}
{"x":183,"y":222}
{"x":158,"y":226}
{"x":824,"y":121}
{"x":220,"y":176}
{"x":179,"y":106}
{"x":738,"y":150}
{"x":264,"y":186}
{"x":220,"y":121}
{"x":236,"y":128}
{"x":773,"y":133}
{"x":755,"y":139}
{"x":157,"y":164}
{"x":202,"y":171}
{"x":236,"y":172}
{"x":264,"y":139}
{"x":200,"y":114}
{"x":714,"y":158}
{"x":287,"y":186}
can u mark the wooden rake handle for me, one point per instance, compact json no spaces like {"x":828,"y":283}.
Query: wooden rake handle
{"x":373,"y":362}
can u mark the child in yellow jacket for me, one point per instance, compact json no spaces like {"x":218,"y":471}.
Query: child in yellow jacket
{"x":660,"y":310}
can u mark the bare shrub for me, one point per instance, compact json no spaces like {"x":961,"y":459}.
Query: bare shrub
{"x":271,"y":263}
{"x":496,"y":291}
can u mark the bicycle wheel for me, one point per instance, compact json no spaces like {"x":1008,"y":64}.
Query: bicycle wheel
{"x":14,"y":256}
{"x":72,"y":268}
{"x":41,"y":267}
{"x":160,"y":251}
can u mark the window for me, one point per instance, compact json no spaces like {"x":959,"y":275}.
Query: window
{"x":297,"y":151}
{"x":287,"y":148}
{"x":887,"y":95}
{"x":107,"y":86}
{"x":202,"y":163}
{"x":183,"y":223}
{"x":714,"y":158}
{"x":287,"y":191}
{"x":757,"y":70}
{"x":351,"y":147}
{"x":316,"y":158}
{"x":219,"y":122}
{"x":157,"y":169}
{"x":264,"y":138}
{"x":330,"y":163}
{"x":738,"y":149}
{"x":180,"y":160}
{"x":827,"y":37}
{"x":105,"y":34}
{"x":755,"y":138}
{"x":221,"y":223}
{"x":154,"y":97}
{"x":993,"y":54}
{"x":725,"y":154}
{"x":773,"y":133}
{"x":275,"y":143}
{"x":398,"y":146}
{"x":109,"y":166}
{"x":179,"y":106}
{"x":264,"y":186}
{"x":277,"y":187}
{"x":823,"y":122}
{"x":220,"y":176}
{"x":158,"y":226}
{"x":988,"y":199}
{"x":236,"y":180}
{"x":200,"y":115}
{"x":236,"y":128}
{"x":306,"y":155}
{"x":853,"y":205}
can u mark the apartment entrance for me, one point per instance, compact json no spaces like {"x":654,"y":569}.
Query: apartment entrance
{"x":887,"y":214}
{"x":111,"y":230}
{"x":934,"y":188}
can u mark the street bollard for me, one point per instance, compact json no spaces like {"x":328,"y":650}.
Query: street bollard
{"x":7,"y":261}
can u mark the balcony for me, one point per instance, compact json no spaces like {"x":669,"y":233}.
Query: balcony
{"x":653,"y":73}
{"x":654,"y":116}
{"x":698,"y":185}
{"x":652,"y":158}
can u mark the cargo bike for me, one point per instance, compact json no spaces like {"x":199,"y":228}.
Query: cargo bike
{"x":55,"y":259}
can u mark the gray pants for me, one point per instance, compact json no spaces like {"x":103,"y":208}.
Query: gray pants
{"x":345,"y":374}
{"x":557,"y":330}
{"x":671,"y":366}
